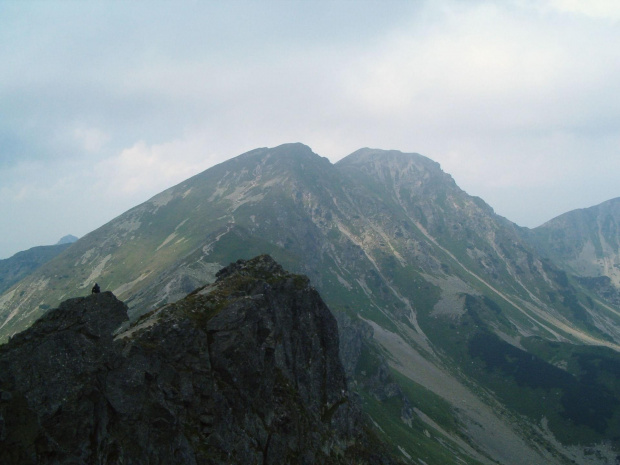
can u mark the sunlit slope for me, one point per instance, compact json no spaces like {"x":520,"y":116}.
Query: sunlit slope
{"x":468,"y":247}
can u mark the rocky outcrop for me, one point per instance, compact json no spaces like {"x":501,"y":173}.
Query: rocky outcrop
{"x":245,"y":370}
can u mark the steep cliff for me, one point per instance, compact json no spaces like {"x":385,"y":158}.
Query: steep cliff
{"x":245,"y":370}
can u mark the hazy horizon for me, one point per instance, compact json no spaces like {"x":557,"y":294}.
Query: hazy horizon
{"x":108,"y":103}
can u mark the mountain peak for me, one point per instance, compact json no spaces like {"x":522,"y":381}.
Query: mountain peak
{"x":262,"y":265}
{"x":291,"y":149}
{"x":366,"y":154}
{"x":95,"y":316}
{"x":396,"y":169}
{"x":68,"y":239}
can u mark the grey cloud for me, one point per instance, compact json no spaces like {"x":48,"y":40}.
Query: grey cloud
{"x":485,"y":88}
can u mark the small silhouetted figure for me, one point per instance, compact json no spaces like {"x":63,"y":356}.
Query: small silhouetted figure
{"x":96,"y":289}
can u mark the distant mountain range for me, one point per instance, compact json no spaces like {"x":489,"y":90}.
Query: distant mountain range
{"x":468,"y":338}
{"x":23,"y":263}
{"x":585,"y":242}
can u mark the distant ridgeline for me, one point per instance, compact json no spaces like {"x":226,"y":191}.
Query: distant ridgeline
{"x":20,"y":265}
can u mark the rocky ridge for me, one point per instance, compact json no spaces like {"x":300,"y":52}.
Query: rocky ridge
{"x":245,"y":370}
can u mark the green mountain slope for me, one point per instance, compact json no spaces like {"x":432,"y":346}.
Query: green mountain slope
{"x":20,"y":265}
{"x":447,"y":307}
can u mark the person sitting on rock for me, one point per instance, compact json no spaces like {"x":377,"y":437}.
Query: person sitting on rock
{"x":96,"y":289}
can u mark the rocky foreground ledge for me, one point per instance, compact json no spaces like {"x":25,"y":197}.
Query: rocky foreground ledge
{"x":243,"y":371}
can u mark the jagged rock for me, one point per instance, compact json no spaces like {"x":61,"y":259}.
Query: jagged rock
{"x":353,"y":335}
{"x":245,"y":370}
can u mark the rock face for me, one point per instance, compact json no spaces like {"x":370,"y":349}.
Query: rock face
{"x":245,"y":370}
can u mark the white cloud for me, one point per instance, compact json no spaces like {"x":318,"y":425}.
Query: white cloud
{"x":144,"y":170}
{"x":91,"y":139}
{"x":482,"y":66}
{"x":505,"y":95}
{"x":602,"y":9}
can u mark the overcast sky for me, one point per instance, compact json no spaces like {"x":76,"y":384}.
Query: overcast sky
{"x":105,"y":104}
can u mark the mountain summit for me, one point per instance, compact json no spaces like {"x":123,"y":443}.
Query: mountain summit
{"x":68,"y":239}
